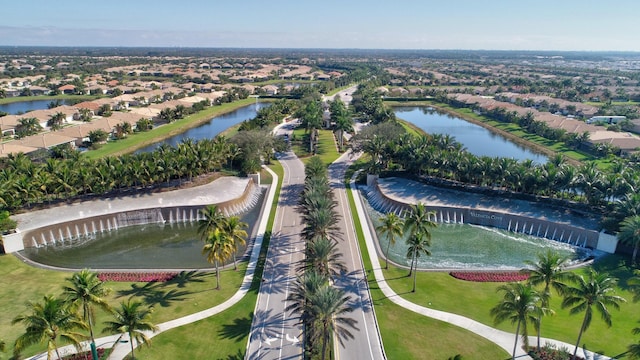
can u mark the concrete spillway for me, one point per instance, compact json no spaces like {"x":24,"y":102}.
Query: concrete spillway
{"x":518,"y":223}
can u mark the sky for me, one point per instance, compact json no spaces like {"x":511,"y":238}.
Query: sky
{"x":572,"y":25}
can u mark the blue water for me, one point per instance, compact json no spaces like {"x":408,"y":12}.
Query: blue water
{"x":214,"y":127}
{"x":24,"y":106}
{"x":476,"y":139}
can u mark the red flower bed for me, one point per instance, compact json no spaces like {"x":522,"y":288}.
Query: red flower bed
{"x":84,"y":355}
{"x":490,"y":276}
{"x":137,"y":276}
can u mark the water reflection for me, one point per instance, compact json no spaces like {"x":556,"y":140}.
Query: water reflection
{"x":464,"y":246}
{"x":22,"y":107}
{"x":476,"y":139}
{"x":212,"y":128}
{"x":150,"y":246}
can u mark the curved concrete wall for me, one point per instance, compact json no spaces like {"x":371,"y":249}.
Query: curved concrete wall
{"x":512,"y":222}
{"x":84,"y":227}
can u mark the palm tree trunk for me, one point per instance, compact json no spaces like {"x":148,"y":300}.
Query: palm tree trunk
{"x":235,"y":266}
{"x":415,"y":274}
{"x":217,"y":276}
{"x":515,"y":345}
{"x":635,"y":252}
{"x":57,"y":351}
{"x":131,"y":342}
{"x":325,"y":340}
{"x":387,"y":256}
{"x":539,"y":328}
{"x":575,"y":351}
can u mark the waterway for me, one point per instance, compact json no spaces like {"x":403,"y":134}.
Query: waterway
{"x":212,"y":128}
{"x":476,"y":139}
{"x":25,"y":106}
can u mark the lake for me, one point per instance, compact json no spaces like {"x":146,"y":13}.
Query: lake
{"x":476,"y":139}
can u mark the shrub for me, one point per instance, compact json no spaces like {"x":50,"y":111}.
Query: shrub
{"x":550,"y":352}
{"x":137,"y":276}
{"x":489,"y":276}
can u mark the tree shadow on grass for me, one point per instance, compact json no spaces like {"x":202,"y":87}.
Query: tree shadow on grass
{"x":237,"y":356}
{"x":185,"y":277}
{"x":238,"y":329}
{"x":163,"y":298}
{"x":152,"y":295}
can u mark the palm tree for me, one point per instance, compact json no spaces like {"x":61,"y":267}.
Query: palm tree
{"x":305,"y":287}
{"x":234,"y":229}
{"x":418,"y":222}
{"x":327,"y":308}
{"x":519,"y":305}
{"x":630,"y":234}
{"x":323,"y":256}
{"x":55,"y":121}
{"x":212,"y":219}
{"x":85,"y":291}
{"x":217,"y":248}
{"x":548,"y":270}
{"x":390,"y":226}
{"x":49,"y":321}
{"x":634,"y":349}
{"x":593,"y":291}
{"x":419,"y":243}
{"x":132,"y":319}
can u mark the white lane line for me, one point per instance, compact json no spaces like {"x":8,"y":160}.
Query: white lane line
{"x":349,"y":229}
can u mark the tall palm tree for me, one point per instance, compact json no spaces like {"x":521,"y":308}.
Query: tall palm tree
{"x":49,"y":321}
{"x":548,"y":270}
{"x":390,"y":226}
{"x":419,"y":244}
{"x":327,"y":309}
{"x":323,"y":256}
{"x":518,"y":305}
{"x":234,"y":229}
{"x":594,"y":291}
{"x":305,"y":287}
{"x":84,"y":291}
{"x":630,"y":234}
{"x":217,"y":249}
{"x":132,"y":319}
{"x":212,"y":219}
{"x":418,"y":222}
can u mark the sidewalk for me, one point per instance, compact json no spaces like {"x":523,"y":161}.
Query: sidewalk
{"x":123,"y":348}
{"x":501,"y":338}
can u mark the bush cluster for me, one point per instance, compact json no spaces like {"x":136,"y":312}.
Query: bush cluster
{"x":493,"y":276}
{"x":137,"y":276}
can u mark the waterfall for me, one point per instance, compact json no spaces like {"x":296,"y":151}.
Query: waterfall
{"x":509,"y":228}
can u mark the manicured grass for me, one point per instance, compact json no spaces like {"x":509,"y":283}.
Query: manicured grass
{"x":474,"y":300}
{"x":184,"y":295}
{"x":52,"y":98}
{"x":223,"y":336}
{"x":139,"y":140}
{"x":406,"y":335}
{"x":327,"y":149}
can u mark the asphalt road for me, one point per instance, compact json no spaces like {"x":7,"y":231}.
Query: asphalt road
{"x":366,"y":342}
{"x":276,"y":334}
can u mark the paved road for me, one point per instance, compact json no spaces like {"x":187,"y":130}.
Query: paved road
{"x":367,"y":341}
{"x":276,"y":334}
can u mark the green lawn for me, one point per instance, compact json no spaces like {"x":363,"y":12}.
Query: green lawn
{"x":223,"y":336}
{"x":140,"y":140}
{"x":407,"y":336}
{"x":184,"y":295}
{"x":51,"y":98}
{"x":474,"y":300}
{"x":327,"y":149}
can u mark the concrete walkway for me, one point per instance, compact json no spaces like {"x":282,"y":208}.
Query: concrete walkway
{"x":122,"y":348}
{"x":501,"y":338}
